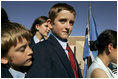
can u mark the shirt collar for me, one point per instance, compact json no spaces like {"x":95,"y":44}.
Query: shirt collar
{"x":16,"y":74}
{"x":62,"y":43}
{"x":36,"y":40}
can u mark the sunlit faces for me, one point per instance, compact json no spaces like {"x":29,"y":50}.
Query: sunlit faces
{"x":63,"y":24}
{"x":44,"y":29}
{"x":21,"y":55}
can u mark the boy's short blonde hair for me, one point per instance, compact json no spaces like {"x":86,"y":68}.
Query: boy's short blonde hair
{"x":11,"y":33}
{"x":59,"y":7}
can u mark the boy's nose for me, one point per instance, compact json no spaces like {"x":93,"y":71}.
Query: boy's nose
{"x":67,"y":25}
{"x":30,"y":52}
{"x":49,"y":29}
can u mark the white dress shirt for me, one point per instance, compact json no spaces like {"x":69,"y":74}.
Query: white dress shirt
{"x":63,"y":44}
{"x":36,"y":40}
{"x":16,"y":74}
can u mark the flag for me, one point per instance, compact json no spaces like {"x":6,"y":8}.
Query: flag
{"x":86,"y":44}
{"x":93,"y":33}
{"x":90,"y":35}
{"x":86,"y":51}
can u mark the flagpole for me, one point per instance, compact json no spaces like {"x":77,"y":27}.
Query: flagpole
{"x":88,"y":59}
{"x":91,"y":34}
{"x":86,"y":62}
{"x":89,"y":18}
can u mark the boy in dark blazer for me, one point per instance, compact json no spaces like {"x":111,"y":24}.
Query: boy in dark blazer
{"x":51,"y":58}
{"x":16,"y":54}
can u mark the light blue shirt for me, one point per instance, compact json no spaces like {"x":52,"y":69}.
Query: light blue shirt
{"x":36,"y":40}
{"x":63,"y":44}
{"x":16,"y":74}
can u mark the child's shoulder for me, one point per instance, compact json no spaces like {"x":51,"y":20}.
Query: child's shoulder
{"x":5,"y":72}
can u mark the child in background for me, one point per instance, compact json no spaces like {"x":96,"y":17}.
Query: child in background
{"x":39,"y":30}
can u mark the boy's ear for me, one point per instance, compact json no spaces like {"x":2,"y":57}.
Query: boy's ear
{"x":49,"y":23}
{"x":4,"y":60}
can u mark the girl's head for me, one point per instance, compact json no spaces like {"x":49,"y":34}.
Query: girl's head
{"x":40,"y":25}
{"x":104,"y":39}
{"x":106,"y":42}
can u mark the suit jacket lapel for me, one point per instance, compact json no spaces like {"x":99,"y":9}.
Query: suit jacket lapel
{"x":62,"y":55}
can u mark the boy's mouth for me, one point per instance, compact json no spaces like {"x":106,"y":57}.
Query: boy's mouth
{"x":66,"y":32}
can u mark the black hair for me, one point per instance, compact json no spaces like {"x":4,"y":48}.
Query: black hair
{"x":40,"y":20}
{"x":4,"y":16}
{"x":105,"y":38}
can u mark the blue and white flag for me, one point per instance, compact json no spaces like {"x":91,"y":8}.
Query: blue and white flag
{"x":86,"y":51}
{"x":86,"y":44}
{"x":91,"y":35}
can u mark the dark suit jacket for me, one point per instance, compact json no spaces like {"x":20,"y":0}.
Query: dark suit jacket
{"x":4,"y":72}
{"x":32,"y":43}
{"x":50,"y":60}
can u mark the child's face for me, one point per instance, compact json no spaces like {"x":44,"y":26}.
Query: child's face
{"x":20,"y":55}
{"x":63,"y":24}
{"x":43,"y":29}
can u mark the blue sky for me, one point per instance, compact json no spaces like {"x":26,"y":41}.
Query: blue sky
{"x":104,"y":12}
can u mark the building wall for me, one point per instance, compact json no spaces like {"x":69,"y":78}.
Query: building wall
{"x":77,"y":45}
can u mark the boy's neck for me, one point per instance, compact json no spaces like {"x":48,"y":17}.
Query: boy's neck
{"x":21,"y":69}
{"x":63,"y":40}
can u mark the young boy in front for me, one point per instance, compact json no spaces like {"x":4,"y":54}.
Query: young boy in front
{"x":16,"y":54}
{"x":51,"y":58}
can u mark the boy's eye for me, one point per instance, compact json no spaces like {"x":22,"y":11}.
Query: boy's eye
{"x":62,"y":21}
{"x":22,"y":50}
{"x":46,"y":25}
{"x":71,"y":23}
